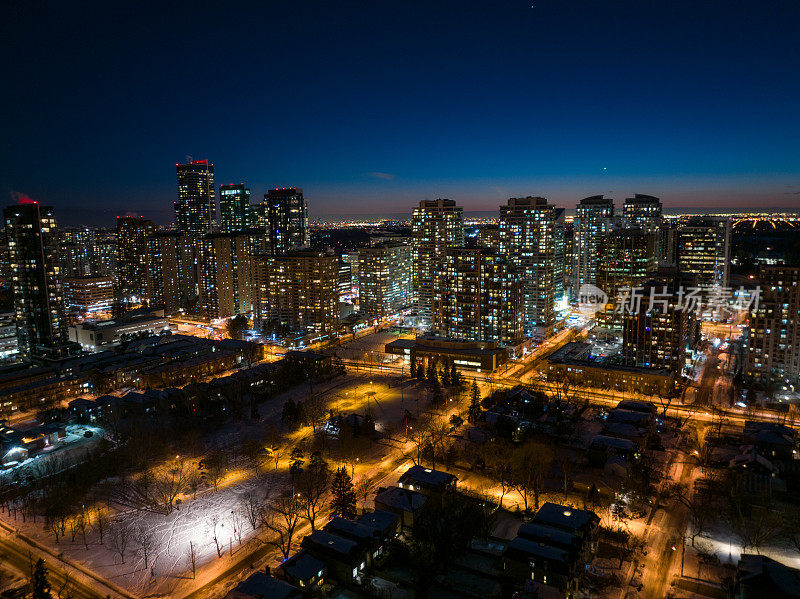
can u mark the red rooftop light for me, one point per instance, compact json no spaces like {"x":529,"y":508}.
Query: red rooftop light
{"x":25,"y":200}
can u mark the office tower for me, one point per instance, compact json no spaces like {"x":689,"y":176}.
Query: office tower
{"x":297,"y":292}
{"x":527,"y":239}
{"x":287,"y":215}
{"x":642,"y":212}
{"x":224,"y":274}
{"x":38,"y":295}
{"x":703,"y":250}
{"x":657,"y":332}
{"x":478,"y":296}
{"x":435,"y":225}
{"x":352,"y":258}
{"x":88,"y":297}
{"x":195,"y":209}
{"x":170,"y":271}
{"x":772,"y":335}
{"x":9,"y":345}
{"x":594,"y":219}
{"x":234,"y":207}
{"x":259,"y":241}
{"x":131,"y":280}
{"x":626,"y":258}
{"x":384,"y":273}
{"x":257,"y":216}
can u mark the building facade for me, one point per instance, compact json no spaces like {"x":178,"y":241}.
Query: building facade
{"x":528,"y":240}
{"x":224,"y":275}
{"x":594,"y":219}
{"x":88,"y":297}
{"x":195,"y":209}
{"x":132,"y":280}
{"x":287,"y":216}
{"x":436,"y":225}
{"x":478,"y":297}
{"x":297,"y":292}
{"x":36,"y":279}
{"x":384,"y":276}
{"x":772,"y":336}
{"x":171,"y":271}
{"x":703,"y":250}
{"x":234,"y":207}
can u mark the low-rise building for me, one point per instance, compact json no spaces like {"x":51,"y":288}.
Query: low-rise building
{"x":93,"y":336}
{"x":427,"y":481}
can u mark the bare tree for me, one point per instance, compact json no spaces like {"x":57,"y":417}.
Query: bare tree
{"x":253,"y":509}
{"x":213,"y":524}
{"x":530,"y":464}
{"x":193,"y":559}
{"x":216,"y":467}
{"x":363,"y":487}
{"x":312,"y":487}
{"x":495,"y":457}
{"x":145,"y":541}
{"x":281,"y":519}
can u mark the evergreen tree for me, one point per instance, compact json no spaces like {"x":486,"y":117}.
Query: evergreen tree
{"x":420,"y":373}
{"x":455,"y":375}
{"x":445,"y":376}
{"x":40,"y":584}
{"x":474,"y":412}
{"x":413,"y":369}
{"x":343,"y":502}
{"x":432,"y":374}
{"x":296,"y":461}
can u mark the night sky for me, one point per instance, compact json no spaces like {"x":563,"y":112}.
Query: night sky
{"x":372,"y":106}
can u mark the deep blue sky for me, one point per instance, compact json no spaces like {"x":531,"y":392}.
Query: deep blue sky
{"x":372,"y":106}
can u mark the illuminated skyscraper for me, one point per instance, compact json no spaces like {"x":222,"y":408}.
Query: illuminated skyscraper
{"x":772,"y":336}
{"x":436,"y":225}
{"x":287,"y":216}
{"x":626,"y":258}
{"x":528,"y":240}
{"x":642,"y":212}
{"x":196,"y":208}
{"x":170,"y":268}
{"x":36,"y":279}
{"x":384,"y":278}
{"x":297,"y":292}
{"x":234,"y":207}
{"x":225,"y":276}
{"x":478,"y":296}
{"x":131,"y":281}
{"x":593,"y":220}
{"x":703,"y":250}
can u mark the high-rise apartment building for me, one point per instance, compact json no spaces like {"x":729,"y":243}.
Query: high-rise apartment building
{"x":478,"y":296}
{"x":642,"y":212}
{"x":105,"y":257}
{"x":78,"y":252}
{"x":594,"y":219}
{"x":36,"y":279}
{"x":772,"y":336}
{"x":560,"y":257}
{"x":384,"y":272}
{"x":195,"y":209}
{"x":287,"y":216}
{"x":436,"y":225}
{"x":657,"y":331}
{"x":703,"y":249}
{"x":225,"y":276}
{"x":132,"y":276}
{"x":297,"y":292}
{"x":528,"y":240}
{"x":626,"y":258}
{"x":170,"y":266}
{"x":234,"y":207}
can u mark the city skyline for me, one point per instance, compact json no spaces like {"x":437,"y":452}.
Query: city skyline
{"x":557,"y":100}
